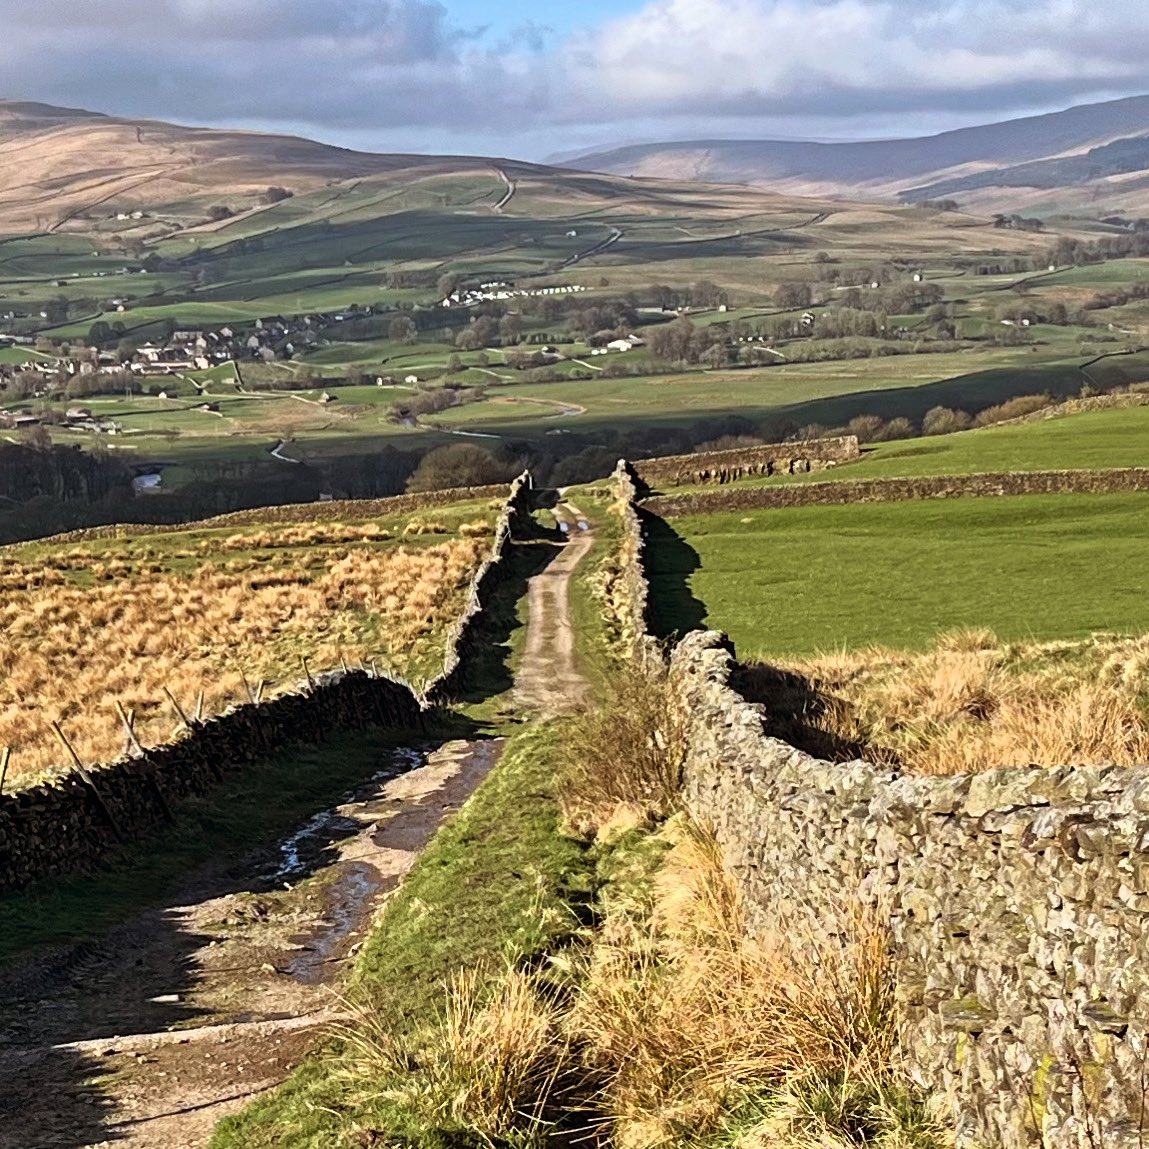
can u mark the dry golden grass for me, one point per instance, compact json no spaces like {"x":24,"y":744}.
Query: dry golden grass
{"x":974,"y":704}
{"x":487,"y":1074}
{"x":84,"y":628}
{"x":624,"y":756}
{"x":687,"y":1020}
{"x":672,"y":1027}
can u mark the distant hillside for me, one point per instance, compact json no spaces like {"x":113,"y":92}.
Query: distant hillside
{"x":1093,"y":157}
{"x":64,"y":167}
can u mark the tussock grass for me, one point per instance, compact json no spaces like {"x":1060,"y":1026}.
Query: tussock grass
{"x":971,"y":703}
{"x":690,"y":1024}
{"x":627,"y":753}
{"x":84,"y":628}
{"x":486,"y":1072}
{"x":670,"y":1027}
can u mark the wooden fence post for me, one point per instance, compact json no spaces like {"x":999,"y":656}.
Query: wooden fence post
{"x":179,"y":709}
{"x":88,"y":780}
{"x":129,"y":721}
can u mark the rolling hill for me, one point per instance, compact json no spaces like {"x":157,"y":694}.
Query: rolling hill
{"x":69,"y":171}
{"x":65,"y":167}
{"x":1094,"y":158}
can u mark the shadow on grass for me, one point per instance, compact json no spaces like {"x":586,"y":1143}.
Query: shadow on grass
{"x":672,"y":610}
{"x":487,"y":670}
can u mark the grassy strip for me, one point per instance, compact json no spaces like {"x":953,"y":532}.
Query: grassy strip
{"x":498,"y":879}
{"x":595,"y":660}
{"x":249,"y":811}
{"x":822,"y":578}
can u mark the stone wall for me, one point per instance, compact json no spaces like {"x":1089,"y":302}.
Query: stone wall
{"x":66,"y":825}
{"x":333,"y":511}
{"x":464,"y":636}
{"x":1018,"y":902}
{"x":707,"y":467}
{"x":900,"y":490}
{"x":628,"y":591}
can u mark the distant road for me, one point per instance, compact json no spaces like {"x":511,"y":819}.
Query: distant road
{"x":512,"y":187}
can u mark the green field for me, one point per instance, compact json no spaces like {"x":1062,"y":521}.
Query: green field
{"x":1090,"y":440}
{"x":800,"y":581}
{"x":384,"y":242}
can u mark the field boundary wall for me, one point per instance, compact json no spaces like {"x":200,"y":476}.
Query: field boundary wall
{"x":1017,"y":903}
{"x":847,"y":491}
{"x":67,"y":824}
{"x":720,"y":467}
{"x":329,"y":511}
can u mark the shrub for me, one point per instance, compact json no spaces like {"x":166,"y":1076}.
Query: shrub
{"x":1013,"y":408}
{"x":459,"y":465}
{"x":897,"y":428}
{"x":944,"y":421}
{"x":868,"y":428}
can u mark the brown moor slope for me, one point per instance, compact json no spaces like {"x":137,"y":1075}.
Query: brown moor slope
{"x":59,"y":164}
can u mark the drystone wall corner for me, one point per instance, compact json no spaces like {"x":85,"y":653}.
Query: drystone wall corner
{"x":1018,"y":903}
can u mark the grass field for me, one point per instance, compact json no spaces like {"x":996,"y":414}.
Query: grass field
{"x":1090,"y":440}
{"x":794,"y":582}
{"x":88,"y":625}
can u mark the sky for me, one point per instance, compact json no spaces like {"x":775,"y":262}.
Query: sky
{"x":536,"y":80}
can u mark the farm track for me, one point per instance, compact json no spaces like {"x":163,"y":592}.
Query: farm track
{"x":512,"y":187}
{"x":548,"y":680}
{"x":146,"y":1037}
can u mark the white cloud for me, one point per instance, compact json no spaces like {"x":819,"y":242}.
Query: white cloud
{"x":784,"y":57}
{"x":381,"y":69}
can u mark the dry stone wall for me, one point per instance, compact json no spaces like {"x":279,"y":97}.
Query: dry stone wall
{"x":332,"y":511}
{"x":628,"y":591}
{"x":512,"y":522}
{"x":720,"y":467}
{"x":1018,"y":903}
{"x":900,"y":490}
{"x":67,"y":825}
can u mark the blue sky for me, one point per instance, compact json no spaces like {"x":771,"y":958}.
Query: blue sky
{"x":503,"y":16}
{"x":531,"y":80}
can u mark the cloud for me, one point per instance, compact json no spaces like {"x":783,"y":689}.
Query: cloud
{"x":754,"y":58}
{"x":383,"y":70}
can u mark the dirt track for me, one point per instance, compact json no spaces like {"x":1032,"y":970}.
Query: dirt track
{"x":548,"y":681}
{"x":149,"y":1036}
